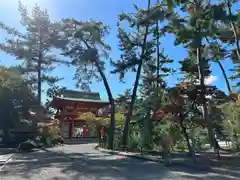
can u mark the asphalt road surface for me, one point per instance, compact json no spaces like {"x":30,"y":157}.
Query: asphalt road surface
{"x":82,"y":162}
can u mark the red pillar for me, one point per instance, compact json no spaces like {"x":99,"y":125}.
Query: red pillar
{"x":70,"y":129}
{"x":84,"y":132}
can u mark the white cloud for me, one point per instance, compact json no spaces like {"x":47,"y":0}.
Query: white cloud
{"x":210,"y":79}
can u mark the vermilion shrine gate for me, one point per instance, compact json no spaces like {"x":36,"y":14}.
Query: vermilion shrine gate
{"x":71,"y":104}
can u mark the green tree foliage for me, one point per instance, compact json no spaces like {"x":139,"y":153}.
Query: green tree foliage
{"x":15,"y":98}
{"x":94,"y":120}
{"x":225,"y":36}
{"x":191,"y":113}
{"x":131,"y":43}
{"x":123,"y":100}
{"x":87,"y":49}
{"x":34,"y":46}
{"x":54,"y":91}
{"x":191,"y":31}
{"x":231,"y":122}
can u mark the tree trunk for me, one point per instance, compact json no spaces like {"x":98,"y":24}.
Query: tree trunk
{"x":225,"y":76}
{"x":111,"y":101}
{"x":39,"y":70}
{"x":223,"y":72}
{"x":39,"y":79}
{"x":184,"y":130}
{"x":234,"y":29}
{"x":112,"y":111}
{"x":147,"y":140}
{"x":136,"y":83}
{"x":131,"y":106}
{"x":202,"y":94}
{"x":158,"y":59}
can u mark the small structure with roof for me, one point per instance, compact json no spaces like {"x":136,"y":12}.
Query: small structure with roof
{"x":70,"y":104}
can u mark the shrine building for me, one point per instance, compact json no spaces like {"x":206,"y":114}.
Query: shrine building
{"x":70,"y":104}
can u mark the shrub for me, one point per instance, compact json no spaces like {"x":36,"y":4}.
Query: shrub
{"x":134,"y":143}
{"x":50,"y":134}
{"x":26,"y":146}
{"x":231,"y":122}
{"x":117,"y":141}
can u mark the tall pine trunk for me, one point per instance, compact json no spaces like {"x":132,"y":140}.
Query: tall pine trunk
{"x":223,"y":72}
{"x":212,"y":139}
{"x":112,"y":110}
{"x":39,"y":79}
{"x":110,"y":98}
{"x":225,"y":76}
{"x":158,"y":58}
{"x":201,"y":77}
{"x":136,"y":83}
{"x":234,"y":29}
{"x":185,"y":134}
{"x":131,"y":106}
{"x":39,"y":70}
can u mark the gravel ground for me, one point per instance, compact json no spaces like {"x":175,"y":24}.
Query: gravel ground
{"x":82,"y":162}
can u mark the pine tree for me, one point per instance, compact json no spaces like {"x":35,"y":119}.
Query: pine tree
{"x":153,"y":86}
{"x":88,"y":52}
{"x":133,"y":42}
{"x":34,"y":46}
{"x":123,"y":100}
{"x":130,"y":43}
{"x":191,"y":31}
{"x":15,"y":99}
{"x":228,"y":31}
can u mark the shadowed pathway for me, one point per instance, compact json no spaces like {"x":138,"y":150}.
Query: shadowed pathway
{"x":82,"y":162}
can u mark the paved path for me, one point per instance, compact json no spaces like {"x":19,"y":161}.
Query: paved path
{"x":4,"y":158}
{"x":81,"y":162}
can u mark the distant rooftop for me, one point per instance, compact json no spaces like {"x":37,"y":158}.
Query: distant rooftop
{"x":82,"y":100}
{"x":71,"y":94}
{"x":78,"y":96}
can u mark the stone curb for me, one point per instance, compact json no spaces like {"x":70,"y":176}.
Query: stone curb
{"x":195,"y":167}
{"x":139,"y":156}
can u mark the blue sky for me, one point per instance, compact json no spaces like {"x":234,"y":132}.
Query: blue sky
{"x":104,"y":10}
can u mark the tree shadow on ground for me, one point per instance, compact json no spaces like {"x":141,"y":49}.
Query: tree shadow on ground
{"x":56,"y":165}
{"x":227,"y":159}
